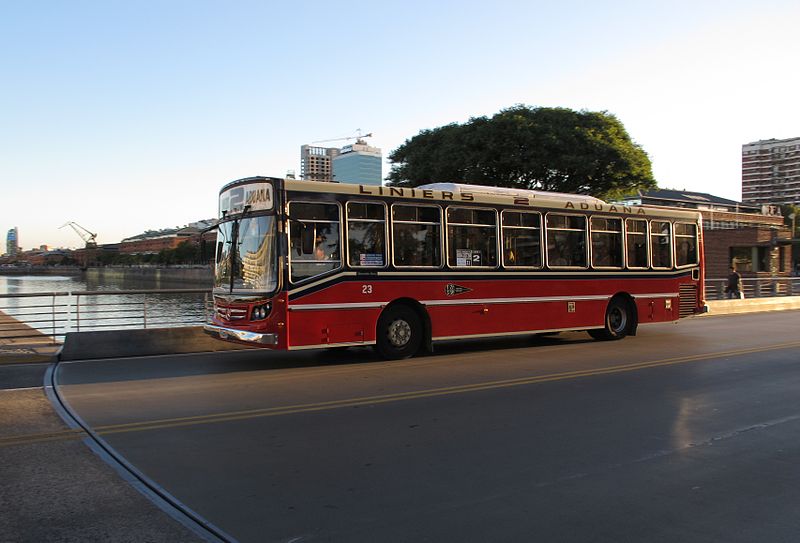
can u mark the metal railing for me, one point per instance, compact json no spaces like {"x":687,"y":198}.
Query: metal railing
{"x":31,"y":316}
{"x":762,"y":287}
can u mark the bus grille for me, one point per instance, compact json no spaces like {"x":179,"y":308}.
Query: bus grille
{"x":688,"y":299}
{"x":231,"y":313}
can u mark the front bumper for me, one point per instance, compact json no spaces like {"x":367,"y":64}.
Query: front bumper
{"x":241,"y":335}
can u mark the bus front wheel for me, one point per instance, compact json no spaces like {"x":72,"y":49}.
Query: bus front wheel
{"x":399,"y":333}
{"x":618,"y":321}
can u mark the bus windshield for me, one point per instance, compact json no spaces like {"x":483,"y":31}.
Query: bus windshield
{"x":245,"y":259}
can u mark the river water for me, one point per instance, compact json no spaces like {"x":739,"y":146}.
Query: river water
{"x":106,"y":311}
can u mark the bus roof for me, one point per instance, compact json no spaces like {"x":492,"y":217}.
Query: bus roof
{"x":456,"y":193}
{"x":513,"y":192}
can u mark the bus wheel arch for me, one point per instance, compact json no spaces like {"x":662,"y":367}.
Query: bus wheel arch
{"x":621,"y":319}
{"x":403,"y":328}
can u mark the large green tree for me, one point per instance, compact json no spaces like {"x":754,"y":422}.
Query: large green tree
{"x":556,"y":149}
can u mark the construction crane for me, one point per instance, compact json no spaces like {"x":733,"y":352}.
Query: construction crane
{"x":357,"y":137}
{"x":89,"y":238}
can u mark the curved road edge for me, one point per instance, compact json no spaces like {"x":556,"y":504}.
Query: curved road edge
{"x":143,"y":484}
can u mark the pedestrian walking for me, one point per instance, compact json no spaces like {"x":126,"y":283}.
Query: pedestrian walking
{"x":734,"y":289}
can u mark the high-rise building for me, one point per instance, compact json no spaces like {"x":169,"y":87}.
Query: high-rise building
{"x":316,"y":162}
{"x":358,"y":163}
{"x":12,"y":242}
{"x":771,"y":172}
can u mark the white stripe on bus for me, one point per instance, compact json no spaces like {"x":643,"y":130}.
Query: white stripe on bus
{"x":475,"y":301}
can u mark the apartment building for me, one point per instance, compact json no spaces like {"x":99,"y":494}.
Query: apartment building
{"x":771,"y":172}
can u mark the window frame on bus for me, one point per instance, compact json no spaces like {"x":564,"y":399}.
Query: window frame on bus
{"x":484,"y":226}
{"x":621,"y":235}
{"x":585,"y":240}
{"x":386,"y":241}
{"x":668,"y":236}
{"x":646,"y":243}
{"x":542,"y":248}
{"x":696,"y":238}
{"x":291,"y":258}
{"x":442,"y":234}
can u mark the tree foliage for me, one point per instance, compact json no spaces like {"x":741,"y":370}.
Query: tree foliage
{"x":787,"y":210}
{"x":555,"y":149}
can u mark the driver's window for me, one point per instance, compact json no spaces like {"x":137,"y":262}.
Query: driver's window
{"x":314,"y":239}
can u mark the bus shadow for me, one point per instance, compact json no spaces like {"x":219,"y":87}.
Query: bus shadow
{"x":259,"y":360}
{"x":463,"y":346}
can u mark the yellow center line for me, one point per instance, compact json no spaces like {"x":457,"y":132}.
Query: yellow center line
{"x":427,"y":393}
{"x":381,"y":399}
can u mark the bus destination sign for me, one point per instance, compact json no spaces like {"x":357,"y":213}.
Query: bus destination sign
{"x":256,"y":196}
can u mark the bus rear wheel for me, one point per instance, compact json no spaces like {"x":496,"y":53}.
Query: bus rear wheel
{"x":399,"y":333}
{"x":618,"y":321}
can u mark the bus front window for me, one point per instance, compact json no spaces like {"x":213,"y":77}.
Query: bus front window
{"x":245,"y":260}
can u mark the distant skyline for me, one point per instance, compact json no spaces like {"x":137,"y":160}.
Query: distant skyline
{"x":131,"y":116}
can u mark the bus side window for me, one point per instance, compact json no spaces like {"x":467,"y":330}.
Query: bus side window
{"x":661,"y":244}
{"x":566,"y":241}
{"x":471,"y":237}
{"x":685,"y":244}
{"x":314,"y":239}
{"x":417,"y":235}
{"x":366,"y":235}
{"x":522,"y":245}
{"x":606,"y":242}
{"x":636,"y":237}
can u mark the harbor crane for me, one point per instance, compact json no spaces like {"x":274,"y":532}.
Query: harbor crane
{"x":357,"y":137}
{"x":89,"y":238}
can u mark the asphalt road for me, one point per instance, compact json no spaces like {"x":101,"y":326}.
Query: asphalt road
{"x":687,"y":432}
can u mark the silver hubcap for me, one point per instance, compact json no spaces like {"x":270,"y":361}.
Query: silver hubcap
{"x":617,"y":320}
{"x":399,"y":333}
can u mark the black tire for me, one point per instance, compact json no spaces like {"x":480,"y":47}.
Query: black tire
{"x":618,"y":321}
{"x":399,"y":333}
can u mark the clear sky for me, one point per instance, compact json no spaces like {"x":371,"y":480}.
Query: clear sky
{"x":126,"y":116}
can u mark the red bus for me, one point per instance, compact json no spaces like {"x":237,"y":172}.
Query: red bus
{"x":305,"y":264}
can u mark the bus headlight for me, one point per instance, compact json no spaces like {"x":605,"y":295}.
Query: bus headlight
{"x":260,"y":312}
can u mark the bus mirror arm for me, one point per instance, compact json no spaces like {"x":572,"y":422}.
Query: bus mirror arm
{"x":283,"y":244}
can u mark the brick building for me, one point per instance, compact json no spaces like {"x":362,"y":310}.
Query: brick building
{"x":153,"y":241}
{"x":757,"y":245}
{"x":45,"y":257}
{"x":150,"y":242}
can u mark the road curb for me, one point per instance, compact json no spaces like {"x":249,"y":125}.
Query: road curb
{"x":755,"y":305}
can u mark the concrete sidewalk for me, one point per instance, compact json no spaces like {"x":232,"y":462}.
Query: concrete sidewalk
{"x":54,"y":488}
